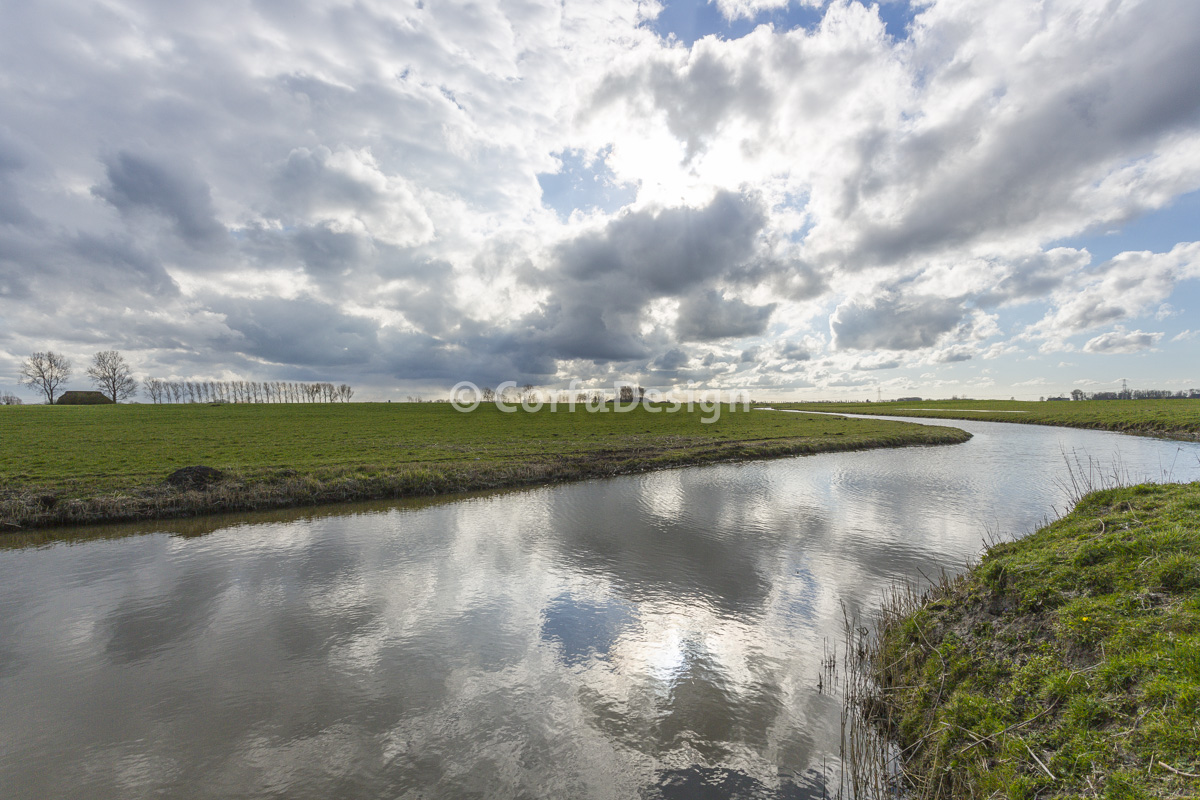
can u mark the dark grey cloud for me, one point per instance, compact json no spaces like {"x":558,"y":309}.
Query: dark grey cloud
{"x":794,"y":351}
{"x":601,"y":282}
{"x":674,"y":359}
{"x":141,"y":183}
{"x":954,"y":355}
{"x":792,"y":279}
{"x":12,"y":159}
{"x":709,"y":316}
{"x":303,"y":331}
{"x":993,"y":171}
{"x":665,"y":251}
{"x":891,"y":321}
{"x":126,"y":267}
{"x":1034,"y":277}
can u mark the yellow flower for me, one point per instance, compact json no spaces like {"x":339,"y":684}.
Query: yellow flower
{"x":1083,"y":619}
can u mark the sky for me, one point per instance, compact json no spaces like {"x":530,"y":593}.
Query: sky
{"x":815,"y":199}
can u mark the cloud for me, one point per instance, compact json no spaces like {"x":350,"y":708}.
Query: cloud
{"x":709,"y":316}
{"x":878,"y":363}
{"x":795,"y":351}
{"x":140,"y":183}
{"x":347,"y":192}
{"x":954,"y":355}
{"x":1035,"y":276}
{"x":1130,"y":285}
{"x":891,"y":321}
{"x":748,"y":9}
{"x":601,"y":282}
{"x":303,"y":332}
{"x":671,"y":360}
{"x":1122,"y":341}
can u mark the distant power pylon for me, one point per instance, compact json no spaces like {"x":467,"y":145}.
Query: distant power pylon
{"x":1124,"y":389}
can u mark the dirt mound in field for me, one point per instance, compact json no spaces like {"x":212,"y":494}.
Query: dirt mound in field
{"x":194,"y":477}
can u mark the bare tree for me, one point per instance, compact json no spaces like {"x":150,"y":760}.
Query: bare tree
{"x":487,"y":394}
{"x":45,"y":372}
{"x":10,"y":399}
{"x":153,"y":388}
{"x":346,"y":392}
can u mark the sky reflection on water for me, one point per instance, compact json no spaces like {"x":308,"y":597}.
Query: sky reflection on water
{"x":656,"y":635}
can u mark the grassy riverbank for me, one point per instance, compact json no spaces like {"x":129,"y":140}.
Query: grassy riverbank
{"x":1171,"y":418}
{"x":1066,"y":664}
{"x":73,"y":464}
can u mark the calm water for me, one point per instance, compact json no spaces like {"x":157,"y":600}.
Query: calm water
{"x":648,"y":636}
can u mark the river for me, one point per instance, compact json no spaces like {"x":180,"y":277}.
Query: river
{"x":656,"y":635}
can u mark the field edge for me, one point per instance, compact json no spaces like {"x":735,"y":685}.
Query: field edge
{"x":38,"y":507}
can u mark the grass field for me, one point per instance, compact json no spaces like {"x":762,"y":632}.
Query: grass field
{"x":64,"y":464}
{"x":1066,"y":664}
{"x":1180,"y":418}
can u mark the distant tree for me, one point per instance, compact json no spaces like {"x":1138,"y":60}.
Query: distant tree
{"x":10,"y":399}
{"x":487,"y":394}
{"x":45,"y":372}
{"x":345,"y":392}
{"x":153,"y":389}
{"x":528,"y":392}
{"x":1077,"y":394}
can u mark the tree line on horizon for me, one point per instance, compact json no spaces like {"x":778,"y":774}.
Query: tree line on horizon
{"x":1137,"y":394}
{"x":47,"y":371}
{"x":160,"y":391}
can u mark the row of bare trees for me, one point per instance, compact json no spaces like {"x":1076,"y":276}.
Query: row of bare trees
{"x":160,"y":391}
{"x":47,"y":372}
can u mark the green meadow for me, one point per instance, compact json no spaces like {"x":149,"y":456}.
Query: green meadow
{"x":1152,"y":417}
{"x":61,"y":464}
{"x":1066,"y":664}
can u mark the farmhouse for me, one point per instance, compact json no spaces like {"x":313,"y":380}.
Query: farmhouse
{"x":82,"y":399}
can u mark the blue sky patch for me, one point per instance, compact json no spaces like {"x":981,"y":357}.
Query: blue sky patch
{"x":690,"y":20}
{"x":897,"y":17}
{"x":1158,"y":231}
{"x":580,"y":186}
